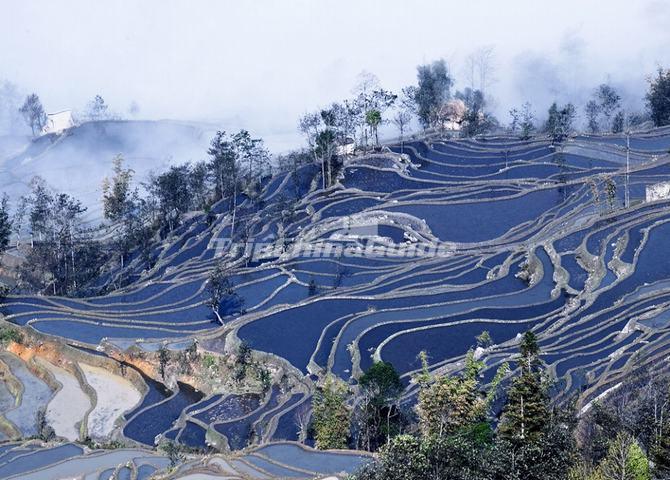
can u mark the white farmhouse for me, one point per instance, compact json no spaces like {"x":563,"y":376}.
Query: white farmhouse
{"x":658,"y":191}
{"x":451,"y":115}
{"x":346,"y":146}
{"x":58,"y":121}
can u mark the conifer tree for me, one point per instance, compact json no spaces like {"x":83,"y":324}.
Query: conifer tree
{"x":526,"y":414}
{"x":5,"y":224}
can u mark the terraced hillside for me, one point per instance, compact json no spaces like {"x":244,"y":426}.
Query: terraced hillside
{"x":420,"y":248}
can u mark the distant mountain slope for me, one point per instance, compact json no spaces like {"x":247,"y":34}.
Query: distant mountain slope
{"x":77,"y":161}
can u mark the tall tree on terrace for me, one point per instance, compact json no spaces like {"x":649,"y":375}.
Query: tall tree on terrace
{"x":515,"y":120}
{"x":40,"y":201}
{"x":377,"y":413}
{"x":326,"y":147}
{"x":120,"y":204}
{"x":601,"y":109}
{"x":373,"y":118}
{"x":309,"y":126}
{"x":380,"y":101}
{"x":20,"y":212}
{"x":223,"y":164}
{"x":321,"y":130}
{"x":434,"y":85}
{"x":33,"y":113}
{"x":476,"y":120}
{"x":619,"y":122}
{"x":401,"y":120}
{"x":116,"y":191}
{"x":244,"y":146}
{"x":533,"y":442}
{"x":220,"y":290}
{"x":367,"y":83}
{"x":5,"y":224}
{"x":198,"y":184}
{"x":344,"y":120}
{"x":592,"y":110}
{"x":224,"y":169}
{"x":658,"y":98}
{"x":609,"y":101}
{"x":527,"y":410}
{"x":560,"y":121}
{"x":252,"y":153}
{"x":480,"y":69}
{"x":370,"y":103}
{"x":171,"y":190}
{"x":527,"y":121}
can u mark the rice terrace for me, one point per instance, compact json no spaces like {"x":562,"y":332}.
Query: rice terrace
{"x":464,"y":276}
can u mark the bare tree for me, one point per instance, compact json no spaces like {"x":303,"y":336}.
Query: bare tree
{"x":309,"y":127}
{"x":401,"y":120}
{"x":366,"y":84}
{"x":480,"y":68}
{"x":303,"y":416}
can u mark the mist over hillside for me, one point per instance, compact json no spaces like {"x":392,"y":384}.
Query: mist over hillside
{"x":77,"y":160}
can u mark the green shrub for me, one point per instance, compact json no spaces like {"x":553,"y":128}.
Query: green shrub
{"x":8,"y":335}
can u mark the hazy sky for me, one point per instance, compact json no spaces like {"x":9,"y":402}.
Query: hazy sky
{"x":263,"y":63}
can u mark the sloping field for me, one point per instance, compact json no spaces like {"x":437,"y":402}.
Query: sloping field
{"x":115,"y":395}
{"x":34,"y":395}
{"x":69,"y":405}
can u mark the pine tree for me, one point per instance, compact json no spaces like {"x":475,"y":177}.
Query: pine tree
{"x":527,"y":121}
{"x":116,"y":192}
{"x":526,"y":414}
{"x":5,"y":224}
{"x":658,"y":98}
